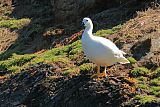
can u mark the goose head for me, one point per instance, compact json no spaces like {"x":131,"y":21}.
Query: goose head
{"x":87,"y":23}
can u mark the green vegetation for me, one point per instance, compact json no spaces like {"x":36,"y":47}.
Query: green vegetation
{"x":7,"y":54}
{"x":151,"y":86}
{"x":16,"y":62}
{"x":141,"y":78}
{"x":155,"y":81}
{"x":145,"y":98}
{"x":63,"y":55}
{"x":71,"y":70}
{"x":117,"y":28}
{"x":105,"y":32}
{"x":140,"y":71}
{"x":132,"y":60}
{"x":87,"y":67}
{"x":155,"y":90}
{"x":14,"y":23}
{"x":156,"y":73}
{"x":143,"y":86}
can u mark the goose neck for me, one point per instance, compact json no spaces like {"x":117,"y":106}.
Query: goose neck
{"x":89,"y":29}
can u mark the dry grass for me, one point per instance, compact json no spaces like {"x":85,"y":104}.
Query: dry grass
{"x":145,"y":22}
{"x":7,"y":38}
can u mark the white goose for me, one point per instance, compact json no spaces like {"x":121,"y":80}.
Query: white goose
{"x":99,"y":50}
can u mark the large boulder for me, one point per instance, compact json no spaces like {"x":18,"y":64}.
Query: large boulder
{"x":73,"y":10}
{"x":69,"y":11}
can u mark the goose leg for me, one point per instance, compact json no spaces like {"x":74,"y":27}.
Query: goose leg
{"x":105,"y":67}
{"x":104,"y":74}
{"x":98,"y":72}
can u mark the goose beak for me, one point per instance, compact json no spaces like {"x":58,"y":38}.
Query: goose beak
{"x":83,"y":24}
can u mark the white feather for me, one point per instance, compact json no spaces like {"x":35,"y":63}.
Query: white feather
{"x":100,"y":50}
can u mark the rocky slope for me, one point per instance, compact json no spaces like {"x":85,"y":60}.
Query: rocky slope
{"x":61,"y":76}
{"x":39,"y":87}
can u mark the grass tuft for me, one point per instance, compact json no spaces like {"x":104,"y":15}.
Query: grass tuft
{"x":143,"y":99}
{"x":156,"y":73}
{"x":105,"y":32}
{"x":14,"y":23}
{"x":140,"y":71}
{"x":87,"y":67}
{"x":16,"y":62}
{"x":71,"y":70}
{"x":143,"y":86}
{"x":155,"y":82}
{"x":132,"y":60}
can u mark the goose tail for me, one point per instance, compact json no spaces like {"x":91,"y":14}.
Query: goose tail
{"x":123,"y":52}
{"x":123,"y":60}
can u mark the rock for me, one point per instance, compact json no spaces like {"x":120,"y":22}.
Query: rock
{"x":73,"y":10}
{"x":141,"y":49}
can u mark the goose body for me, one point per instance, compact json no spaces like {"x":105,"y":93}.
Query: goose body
{"x":99,"y":50}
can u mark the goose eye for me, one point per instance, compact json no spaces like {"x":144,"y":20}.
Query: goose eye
{"x":87,"y":20}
